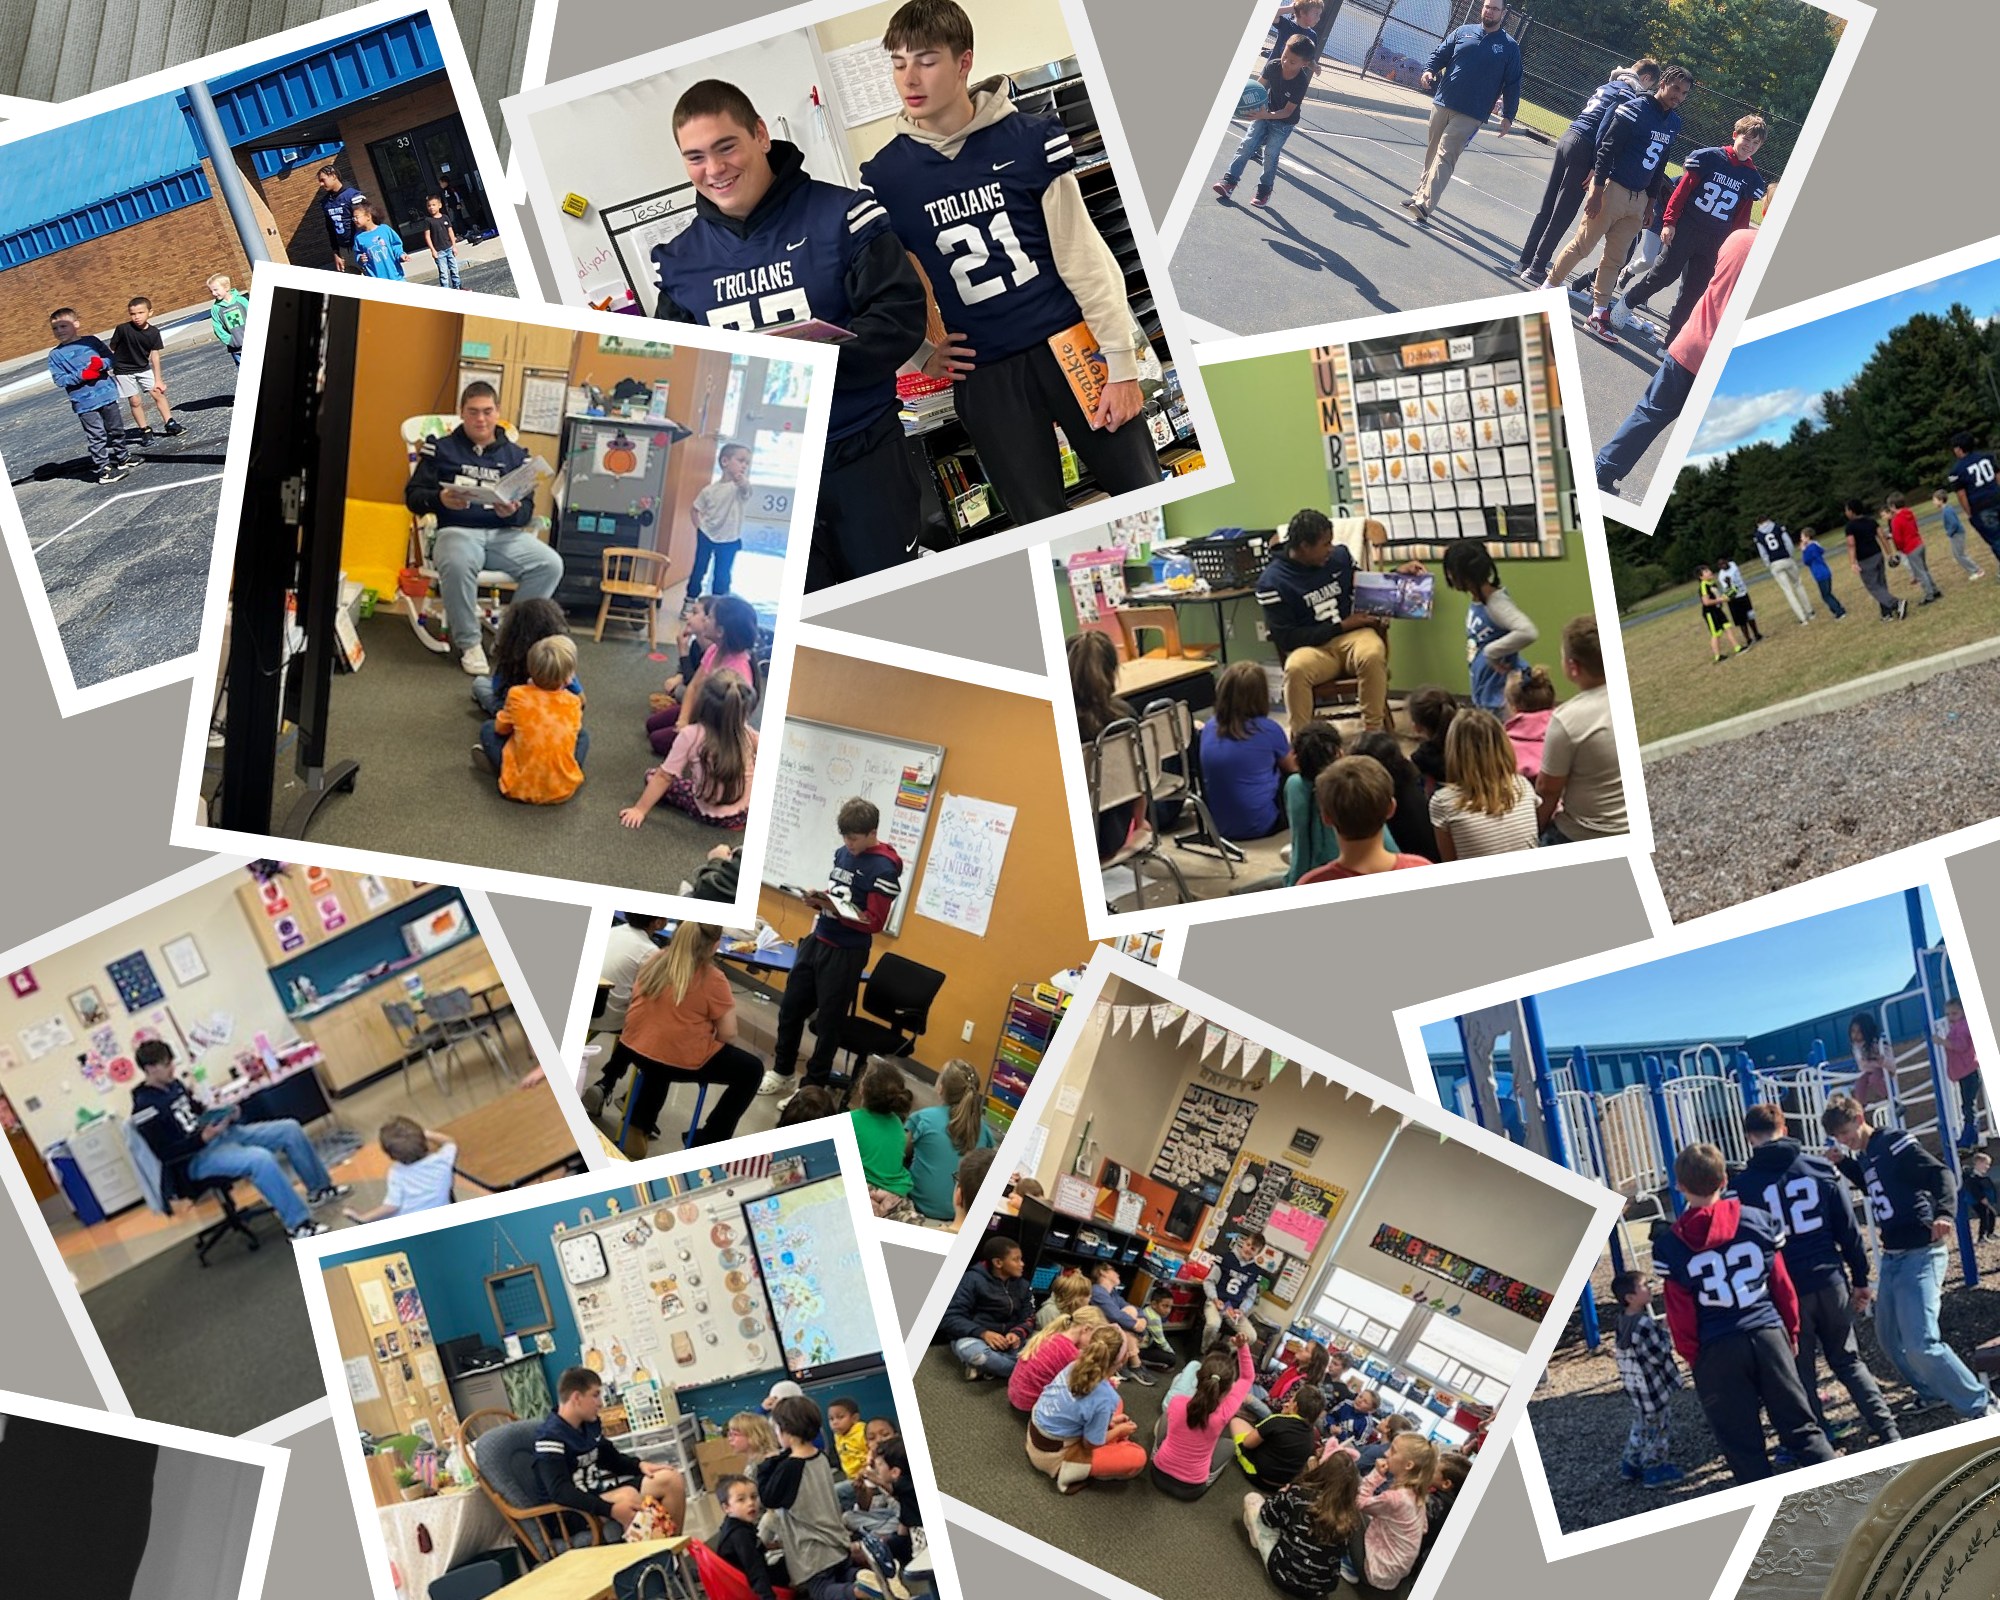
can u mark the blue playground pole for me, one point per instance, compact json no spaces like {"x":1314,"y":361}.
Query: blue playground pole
{"x":1746,"y":1074}
{"x":1656,"y":1096}
{"x":1552,"y":1123}
{"x":1584,"y":1067}
{"x":1941,"y":1087}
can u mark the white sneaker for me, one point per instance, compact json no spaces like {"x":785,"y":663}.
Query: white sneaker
{"x":1621,"y":314}
{"x":774,"y":1082}
{"x":474,"y":662}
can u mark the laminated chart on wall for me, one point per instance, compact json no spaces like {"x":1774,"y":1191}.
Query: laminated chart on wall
{"x":1288,"y":1207}
{"x":862,"y":85}
{"x":1200,"y":1148}
{"x":962,"y":871}
{"x":668,"y":1295}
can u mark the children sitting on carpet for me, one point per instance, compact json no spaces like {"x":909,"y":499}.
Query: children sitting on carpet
{"x":708,"y":768}
{"x":940,"y":1136}
{"x":1277,"y":1450}
{"x":420,"y":1170}
{"x":1186,"y":1459}
{"x":799,"y":1486}
{"x":1358,"y":800}
{"x":736,"y":1540}
{"x":1106,"y":1294}
{"x":1531,"y":701}
{"x":726,"y":627}
{"x":1486,"y":807}
{"x":1070,"y":1290}
{"x":1431,"y":710}
{"x":537,"y":744}
{"x":1245,"y":756}
{"x":1410,"y":833}
{"x":1302,"y":1533}
{"x":523,"y":625}
{"x":1315,"y":747}
{"x":1050,"y":1350}
{"x":1393,"y":1517}
{"x":1075,"y":1432}
{"x":885,"y":1099}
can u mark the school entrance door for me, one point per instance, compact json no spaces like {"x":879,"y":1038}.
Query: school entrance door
{"x":415,"y":165}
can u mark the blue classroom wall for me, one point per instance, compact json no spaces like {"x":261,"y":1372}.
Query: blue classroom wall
{"x":451,"y":1266}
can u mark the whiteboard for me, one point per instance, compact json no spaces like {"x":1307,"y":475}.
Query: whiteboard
{"x":820,"y":765}
{"x":684,"y":1303}
{"x":615,"y":147}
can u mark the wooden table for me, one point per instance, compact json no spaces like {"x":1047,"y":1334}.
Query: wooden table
{"x":517,"y":1138}
{"x":586,"y":1574}
{"x":1178,"y":598}
{"x":1136,"y":678}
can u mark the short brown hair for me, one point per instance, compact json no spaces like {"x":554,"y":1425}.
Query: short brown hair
{"x":929,"y":25}
{"x":858,"y":816}
{"x":1700,"y":1169}
{"x":63,"y":311}
{"x":1580,"y":644}
{"x":1242,"y":694}
{"x":138,"y":300}
{"x":796,"y":1417}
{"x":552,"y":661}
{"x":575,"y":1381}
{"x":1750,"y":124}
{"x":1356,"y":796}
{"x":403,"y":1140}
{"x":1765,"y":1121}
{"x":479,"y":388}
{"x":1841,"y":1113}
{"x":715,"y":97}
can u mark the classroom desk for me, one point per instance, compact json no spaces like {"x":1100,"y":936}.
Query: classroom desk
{"x":427,"y":1537}
{"x":1177,"y":598}
{"x":586,"y":1574}
{"x":1149,"y":673}
{"x":514,"y":1140}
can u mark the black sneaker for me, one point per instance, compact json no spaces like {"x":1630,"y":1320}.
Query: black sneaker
{"x":175,"y":426}
{"x":113,"y":473}
{"x":308,"y":1230}
{"x":331,"y":1193}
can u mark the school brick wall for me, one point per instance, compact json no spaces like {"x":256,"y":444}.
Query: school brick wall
{"x":164,"y":258}
{"x":293,"y":196}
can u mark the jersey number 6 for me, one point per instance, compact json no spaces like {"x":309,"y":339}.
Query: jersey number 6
{"x":968,"y":238}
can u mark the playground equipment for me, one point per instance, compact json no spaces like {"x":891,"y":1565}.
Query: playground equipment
{"x":1628,"y":1139}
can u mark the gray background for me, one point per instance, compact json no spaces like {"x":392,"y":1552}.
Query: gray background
{"x":85,"y":803}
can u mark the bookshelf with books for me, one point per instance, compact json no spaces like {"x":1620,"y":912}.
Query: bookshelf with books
{"x":1033,"y":1011}
{"x":959,"y":503}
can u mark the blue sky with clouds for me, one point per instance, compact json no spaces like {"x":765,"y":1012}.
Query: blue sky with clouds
{"x":1769,"y":385}
{"x":1745,"y":985}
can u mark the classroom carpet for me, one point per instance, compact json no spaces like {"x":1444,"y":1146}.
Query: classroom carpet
{"x":179,"y":1362}
{"x":407,"y":717}
{"x":1130,"y":1529}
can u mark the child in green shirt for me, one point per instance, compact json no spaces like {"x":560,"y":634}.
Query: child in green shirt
{"x":884,"y":1100}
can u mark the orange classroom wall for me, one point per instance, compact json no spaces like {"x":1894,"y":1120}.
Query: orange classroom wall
{"x":998,"y":747}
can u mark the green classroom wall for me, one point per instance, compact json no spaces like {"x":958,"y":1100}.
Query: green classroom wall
{"x":1269,"y":418}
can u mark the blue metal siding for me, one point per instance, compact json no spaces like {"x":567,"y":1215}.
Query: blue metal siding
{"x":45,"y":176}
{"x":269,"y":163}
{"x":106,"y":216}
{"x":258,"y":105}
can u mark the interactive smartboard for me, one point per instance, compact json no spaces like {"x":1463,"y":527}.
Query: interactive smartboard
{"x":820,"y":765}
{"x":811,"y":1263}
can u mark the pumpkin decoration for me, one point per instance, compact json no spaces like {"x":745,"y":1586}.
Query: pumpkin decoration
{"x":619,"y":456}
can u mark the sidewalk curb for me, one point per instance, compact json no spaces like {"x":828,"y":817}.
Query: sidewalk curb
{"x":1839,"y":698}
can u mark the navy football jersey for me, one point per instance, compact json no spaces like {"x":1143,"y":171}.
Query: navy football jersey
{"x":1773,"y":542}
{"x":1730,"y":1281}
{"x":1604,"y":99}
{"x":1974,"y":474}
{"x":1720,"y":189}
{"x":1632,"y":146}
{"x":789,"y":265}
{"x":974,"y":222}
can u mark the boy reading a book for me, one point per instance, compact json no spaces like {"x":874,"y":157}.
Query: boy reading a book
{"x":1039,"y":334}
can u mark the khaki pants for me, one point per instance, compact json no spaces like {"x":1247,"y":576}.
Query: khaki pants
{"x":1619,"y":216}
{"x":1362,"y":654}
{"x":1450,"y":131}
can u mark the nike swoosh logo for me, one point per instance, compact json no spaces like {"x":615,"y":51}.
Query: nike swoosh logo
{"x":796,"y":243}
{"x":1001,"y":165}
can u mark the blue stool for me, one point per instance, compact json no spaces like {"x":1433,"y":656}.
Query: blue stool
{"x":687,"y":1139}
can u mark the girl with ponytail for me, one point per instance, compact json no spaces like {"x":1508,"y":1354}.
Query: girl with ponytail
{"x":1048,"y":1352}
{"x":940,"y":1136}
{"x":1192,"y":1455}
{"x":1075,"y":1432}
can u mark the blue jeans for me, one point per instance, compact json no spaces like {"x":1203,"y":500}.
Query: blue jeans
{"x":245,"y":1151}
{"x":1906,"y":1324}
{"x":722,"y":552}
{"x":1267,"y":138}
{"x":978,"y":1353}
{"x":1986,"y":523}
{"x":493,"y":744}
{"x":484,"y":697}
{"x":1826,"y":593}
{"x":447,"y":269}
{"x":461,"y":554}
{"x":1658,"y":410}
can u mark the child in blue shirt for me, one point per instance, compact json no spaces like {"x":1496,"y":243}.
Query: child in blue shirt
{"x":1954,"y":530}
{"x":378,"y":248}
{"x":1496,"y":629}
{"x":80,"y":366}
{"x":1245,"y":756}
{"x":1813,"y":554}
{"x":1122,"y":1315}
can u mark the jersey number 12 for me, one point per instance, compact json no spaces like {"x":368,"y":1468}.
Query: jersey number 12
{"x":968,"y":245}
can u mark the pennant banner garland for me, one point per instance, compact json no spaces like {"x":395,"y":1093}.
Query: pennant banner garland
{"x":1210,"y":1040}
{"x":1277,"y":1065}
{"x":1231,"y":1043}
{"x":1163,"y":1013}
{"x":1188,"y":1025}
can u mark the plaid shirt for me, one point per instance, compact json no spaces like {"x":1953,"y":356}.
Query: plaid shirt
{"x":1645,"y":1357}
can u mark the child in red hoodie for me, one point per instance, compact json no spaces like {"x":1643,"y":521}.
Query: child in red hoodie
{"x":1909,"y":541}
{"x":1734,"y":1316}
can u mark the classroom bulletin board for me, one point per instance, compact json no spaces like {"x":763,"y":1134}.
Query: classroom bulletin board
{"x":1201,"y":1144}
{"x":1290,"y":1208}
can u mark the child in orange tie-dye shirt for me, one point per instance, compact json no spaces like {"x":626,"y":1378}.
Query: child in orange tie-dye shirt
{"x":537,"y":744}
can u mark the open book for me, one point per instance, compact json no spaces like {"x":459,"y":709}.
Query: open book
{"x":516,"y":485}
{"x":1394,"y":594}
{"x":815,"y":330}
{"x":827,"y":901}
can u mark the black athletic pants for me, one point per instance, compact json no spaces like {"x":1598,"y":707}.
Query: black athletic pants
{"x":824,"y":981}
{"x":870,"y":509}
{"x":1689,"y":256}
{"x":1826,"y":1328}
{"x":1561,"y":199}
{"x":41,"y":1463}
{"x":1743,"y":614}
{"x":736,"y":1069}
{"x":1738,"y":1379}
{"x":1011,"y":407}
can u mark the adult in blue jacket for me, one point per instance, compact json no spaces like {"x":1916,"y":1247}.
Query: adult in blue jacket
{"x":1629,"y":167}
{"x":477,"y":536}
{"x":1473,"y":67}
{"x":1569,"y":173}
{"x":991,"y":1312}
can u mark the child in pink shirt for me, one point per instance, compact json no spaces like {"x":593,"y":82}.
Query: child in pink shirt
{"x":1185,"y":1461}
{"x":1531,"y":702}
{"x":709,"y":766}
{"x":1047,"y":1353}
{"x":1961,"y":1065}
{"x":1392,"y":1511}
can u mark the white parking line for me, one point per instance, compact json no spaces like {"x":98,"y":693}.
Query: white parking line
{"x":1457,"y":177}
{"x":123,"y":494}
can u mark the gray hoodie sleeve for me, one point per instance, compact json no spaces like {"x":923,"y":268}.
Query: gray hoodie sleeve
{"x":1521,"y":630}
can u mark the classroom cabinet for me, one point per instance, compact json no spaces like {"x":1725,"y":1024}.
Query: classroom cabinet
{"x":356,"y":1038}
{"x":289,"y":907}
{"x":394,"y":1373}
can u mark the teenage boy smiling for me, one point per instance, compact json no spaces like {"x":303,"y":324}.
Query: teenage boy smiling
{"x":771,"y":245}
{"x":986,"y":199}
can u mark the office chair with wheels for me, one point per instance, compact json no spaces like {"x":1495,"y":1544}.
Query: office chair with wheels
{"x":897,"y":1001}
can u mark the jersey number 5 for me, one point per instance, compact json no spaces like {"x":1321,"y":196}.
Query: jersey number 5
{"x":1729,"y":1278}
{"x":789,"y":305}
{"x":968,"y":244}
{"x":1656,"y":146}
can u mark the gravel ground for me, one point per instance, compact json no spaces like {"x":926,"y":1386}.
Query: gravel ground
{"x":1580,"y":1414}
{"x":1738,"y":820}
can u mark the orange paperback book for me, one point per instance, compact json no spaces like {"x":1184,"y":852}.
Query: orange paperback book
{"x":1083,"y":363}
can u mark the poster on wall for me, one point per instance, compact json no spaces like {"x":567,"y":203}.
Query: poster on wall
{"x":133,"y":977}
{"x":374,"y":892}
{"x":1200,"y":1147}
{"x":962,"y":871}
{"x":1437,"y":1262}
{"x":39,"y":1038}
{"x":331,"y":917}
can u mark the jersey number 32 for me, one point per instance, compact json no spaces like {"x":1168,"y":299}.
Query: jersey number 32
{"x":1732,"y":1278}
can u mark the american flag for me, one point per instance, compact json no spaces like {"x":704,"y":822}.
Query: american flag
{"x":751,"y":1167}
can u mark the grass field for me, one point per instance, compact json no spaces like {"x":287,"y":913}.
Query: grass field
{"x":1674,"y":689}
